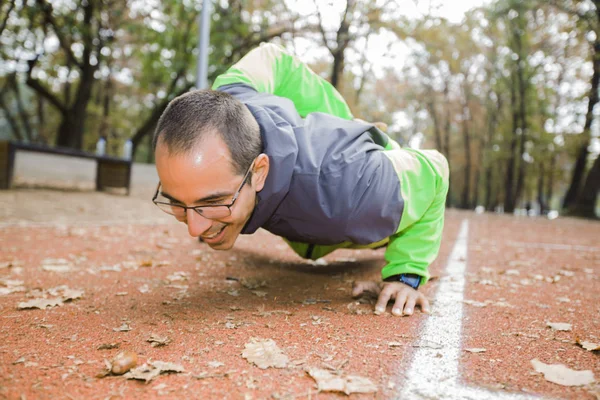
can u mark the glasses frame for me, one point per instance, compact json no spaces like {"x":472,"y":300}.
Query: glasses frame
{"x":198,"y":209}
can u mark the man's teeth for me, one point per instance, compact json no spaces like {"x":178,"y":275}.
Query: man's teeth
{"x":215,"y":235}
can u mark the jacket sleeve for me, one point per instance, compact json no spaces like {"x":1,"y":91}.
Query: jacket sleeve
{"x":423,"y":179}
{"x":269,"y":68}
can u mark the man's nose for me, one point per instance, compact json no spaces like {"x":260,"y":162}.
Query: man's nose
{"x":197,"y":224}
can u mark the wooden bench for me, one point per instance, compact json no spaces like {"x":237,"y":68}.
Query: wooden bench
{"x":111,"y":172}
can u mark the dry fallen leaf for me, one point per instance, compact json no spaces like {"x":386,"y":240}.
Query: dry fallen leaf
{"x":562,"y":375}
{"x":148,"y":372}
{"x":157,"y":341}
{"x":476,"y":350}
{"x":559,"y":326}
{"x":264,"y":353}
{"x":253,"y":283}
{"x":66,"y":293}
{"x":61,"y":294}
{"x":9,"y":264}
{"x":178,"y":277}
{"x":476,"y":303}
{"x":143,"y":373}
{"x":166,"y":366}
{"x":395,"y":344}
{"x":428,"y":345}
{"x":330,"y":382}
{"x":358,"y":308}
{"x":215,"y":364}
{"x":56,"y":265}
{"x":144,"y":288}
{"x":589,"y":346}
{"x":108,"y":346}
{"x":11,"y":286}
{"x":40,"y":303}
{"x":123,"y":328}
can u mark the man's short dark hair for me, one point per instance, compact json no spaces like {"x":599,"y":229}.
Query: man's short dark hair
{"x":193,"y":115}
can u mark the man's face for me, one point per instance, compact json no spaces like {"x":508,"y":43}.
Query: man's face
{"x":205,"y":176}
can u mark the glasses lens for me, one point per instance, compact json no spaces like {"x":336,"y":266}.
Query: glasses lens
{"x":172,"y":209}
{"x":214,"y":212}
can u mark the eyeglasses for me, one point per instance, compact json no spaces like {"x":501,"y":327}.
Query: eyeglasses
{"x":209,"y":211}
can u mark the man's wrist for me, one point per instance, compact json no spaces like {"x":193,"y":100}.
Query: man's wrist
{"x":412,"y":280}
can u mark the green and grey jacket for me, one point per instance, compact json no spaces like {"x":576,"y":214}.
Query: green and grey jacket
{"x":332,"y":179}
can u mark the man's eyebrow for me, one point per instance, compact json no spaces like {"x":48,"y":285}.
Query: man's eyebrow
{"x":212,"y":197}
{"x":215,"y":196}
{"x":168,"y":196}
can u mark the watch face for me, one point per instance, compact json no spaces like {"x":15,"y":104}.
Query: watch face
{"x":412,"y":281}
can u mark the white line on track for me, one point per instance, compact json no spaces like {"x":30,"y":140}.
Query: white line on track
{"x":434,"y":372}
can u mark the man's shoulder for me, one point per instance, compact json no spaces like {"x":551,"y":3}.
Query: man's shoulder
{"x":271,"y":103}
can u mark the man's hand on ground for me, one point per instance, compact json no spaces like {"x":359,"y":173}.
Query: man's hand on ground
{"x":405,"y":298}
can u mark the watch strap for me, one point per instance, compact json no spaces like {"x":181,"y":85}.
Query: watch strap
{"x":412,"y":280}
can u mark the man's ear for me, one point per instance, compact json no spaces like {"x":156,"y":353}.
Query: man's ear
{"x":260,"y":172}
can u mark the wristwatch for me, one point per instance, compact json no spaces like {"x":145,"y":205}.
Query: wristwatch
{"x":412,"y":280}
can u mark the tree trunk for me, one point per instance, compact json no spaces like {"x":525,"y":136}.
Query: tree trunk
{"x":579,"y":168}
{"x":550,"y":188}
{"x":522,"y":118}
{"x":68,"y":131}
{"x":476,"y":183}
{"x":104,"y":130}
{"x":343,"y":40}
{"x":23,"y":115}
{"x":493,"y":124}
{"x":466,"y":194}
{"x":446,"y":152}
{"x":509,"y":200}
{"x":436,"y":123}
{"x":338,"y":68}
{"x":540,"y":190}
{"x":150,"y":154}
{"x":488,"y":189}
{"x":41,"y":114}
{"x":150,"y":123}
{"x":585,"y":206}
{"x":14,"y":125}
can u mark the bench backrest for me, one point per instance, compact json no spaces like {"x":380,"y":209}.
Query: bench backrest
{"x":64,"y":151}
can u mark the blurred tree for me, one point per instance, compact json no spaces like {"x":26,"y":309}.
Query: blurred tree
{"x":236,"y":28}
{"x":82,"y":33}
{"x":358,"y":19}
{"x":581,"y":200}
{"x":432,"y":74}
{"x":585,"y":206}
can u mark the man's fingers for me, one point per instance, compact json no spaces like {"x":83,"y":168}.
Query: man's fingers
{"x":365,"y":287}
{"x":383,"y":299}
{"x":381,"y":126}
{"x":410,"y":304}
{"x":401,"y":298}
{"x":424,"y":303}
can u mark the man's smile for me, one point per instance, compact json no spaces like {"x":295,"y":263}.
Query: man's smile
{"x":214,"y":237}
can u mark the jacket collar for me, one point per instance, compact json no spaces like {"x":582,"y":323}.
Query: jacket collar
{"x":279,"y":144}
